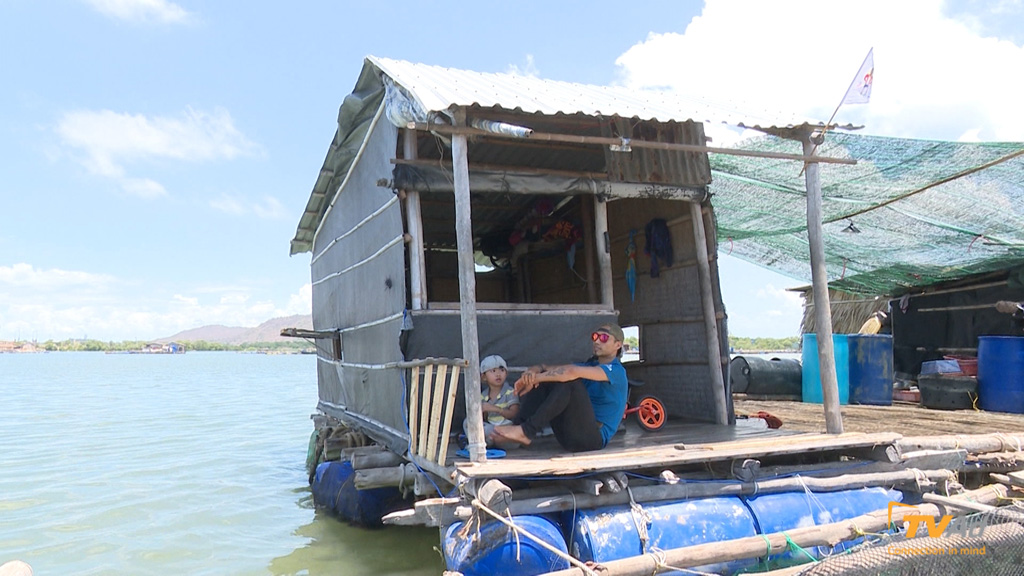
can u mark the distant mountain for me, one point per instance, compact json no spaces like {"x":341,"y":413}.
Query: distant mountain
{"x":269,"y":331}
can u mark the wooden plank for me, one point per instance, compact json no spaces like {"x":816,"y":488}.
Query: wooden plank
{"x":604,"y":257}
{"x":467,"y":294}
{"x":414,"y":399}
{"x":427,"y":391}
{"x":439,"y":393}
{"x":414,"y":224}
{"x":464,"y":131}
{"x":517,"y":308}
{"x":714,"y":346}
{"x":449,"y":410}
{"x":669,"y":455}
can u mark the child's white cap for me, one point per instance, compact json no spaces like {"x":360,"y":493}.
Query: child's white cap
{"x":492,"y":362}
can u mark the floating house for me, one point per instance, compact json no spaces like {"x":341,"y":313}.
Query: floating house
{"x":461,"y":214}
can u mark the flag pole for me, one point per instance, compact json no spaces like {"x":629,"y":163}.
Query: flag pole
{"x":841,"y":102}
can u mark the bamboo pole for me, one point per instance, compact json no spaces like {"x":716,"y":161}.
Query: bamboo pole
{"x":414,"y":223}
{"x":604,"y":256}
{"x":709,"y":489}
{"x":467,"y":296}
{"x":605,"y":141}
{"x":758,"y":546}
{"x":974,"y":444}
{"x":589,"y":244}
{"x":707,"y":298}
{"x":822,"y":312}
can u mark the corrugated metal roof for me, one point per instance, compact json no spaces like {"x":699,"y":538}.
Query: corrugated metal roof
{"x":438,"y":88}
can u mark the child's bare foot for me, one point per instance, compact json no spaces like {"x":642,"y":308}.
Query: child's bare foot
{"x":512,"y":433}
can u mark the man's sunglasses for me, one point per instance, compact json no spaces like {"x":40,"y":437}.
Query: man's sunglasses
{"x":602,"y":336}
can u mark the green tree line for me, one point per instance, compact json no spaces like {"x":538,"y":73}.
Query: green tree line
{"x":88,"y":345}
{"x":742,"y":344}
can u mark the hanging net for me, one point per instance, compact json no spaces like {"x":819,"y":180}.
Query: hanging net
{"x":910,"y":213}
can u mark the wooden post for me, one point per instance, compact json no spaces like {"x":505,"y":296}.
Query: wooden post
{"x":822,"y":306}
{"x":589,"y":242}
{"x":707,"y":298}
{"x":604,"y":256}
{"x":414,"y":224}
{"x":467,"y":297}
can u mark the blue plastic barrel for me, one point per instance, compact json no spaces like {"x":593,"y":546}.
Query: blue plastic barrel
{"x":871,"y":369}
{"x":811,"y":382}
{"x":495,"y":550}
{"x":334,"y":489}
{"x":611,"y":533}
{"x":789,"y":510}
{"x":1001,"y":373}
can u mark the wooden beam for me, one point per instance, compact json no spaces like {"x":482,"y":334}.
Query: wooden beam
{"x":604,"y":256}
{"x":474,"y":166}
{"x":414,"y":225}
{"x":579,"y":500}
{"x":604,"y":141}
{"x":707,"y":297}
{"x":467,"y":296}
{"x":822,"y":312}
{"x":587,"y":218}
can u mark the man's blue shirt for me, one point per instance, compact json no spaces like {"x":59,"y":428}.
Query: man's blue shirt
{"x":608,"y":398}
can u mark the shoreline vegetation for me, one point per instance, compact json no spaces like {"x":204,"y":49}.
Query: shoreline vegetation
{"x":87,"y":345}
{"x":737,"y":345}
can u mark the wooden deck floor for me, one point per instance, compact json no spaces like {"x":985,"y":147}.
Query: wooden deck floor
{"x":677,"y":444}
{"x":902,"y":418}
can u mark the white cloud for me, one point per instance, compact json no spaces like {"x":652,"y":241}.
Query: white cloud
{"x":529,"y":68}
{"x":25,"y":277}
{"x":269,"y":208}
{"x":58,"y":304}
{"x":301,"y":303}
{"x":107,"y":141}
{"x":935,"y":76}
{"x":142,"y":11}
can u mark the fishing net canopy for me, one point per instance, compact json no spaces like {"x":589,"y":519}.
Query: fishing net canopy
{"x":910,"y":213}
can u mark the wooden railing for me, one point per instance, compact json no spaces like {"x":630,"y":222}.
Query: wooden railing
{"x":433,"y":384}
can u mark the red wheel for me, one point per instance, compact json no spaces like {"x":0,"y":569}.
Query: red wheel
{"x":650,"y":413}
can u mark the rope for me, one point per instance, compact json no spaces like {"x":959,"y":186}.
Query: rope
{"x":1004,"y":441}
{"x":796,"y":547}
{"x":641,"y":519}
{"x":583,"y":567}
{"x":660,"y":564}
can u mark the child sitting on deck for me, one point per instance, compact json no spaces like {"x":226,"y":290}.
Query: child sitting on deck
{"x":499,"y":402}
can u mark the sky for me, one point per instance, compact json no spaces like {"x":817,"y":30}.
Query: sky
{"x":157,"y":154}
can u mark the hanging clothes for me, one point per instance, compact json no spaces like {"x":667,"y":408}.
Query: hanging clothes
{"x":658,"y":244}
{"x":631,"y":266}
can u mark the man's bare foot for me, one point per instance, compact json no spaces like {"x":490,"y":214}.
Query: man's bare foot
{"x":513,"y":433}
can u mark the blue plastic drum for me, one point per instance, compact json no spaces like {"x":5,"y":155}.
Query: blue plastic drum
{"x":495,"y":551}
{"x":811,"y":383}
{"x":1001,"y":373}
{"x":612,"y":533}
{"x":871,"y":369}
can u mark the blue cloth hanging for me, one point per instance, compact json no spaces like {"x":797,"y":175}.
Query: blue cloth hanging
{"x":658,"y":244}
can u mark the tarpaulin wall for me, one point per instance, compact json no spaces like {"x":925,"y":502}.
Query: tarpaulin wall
{"x":358,"y":273}
{"x":667,"y":306}
{"x":523,"y":338}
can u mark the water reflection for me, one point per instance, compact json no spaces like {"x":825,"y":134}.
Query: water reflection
{"x":334,"y":547}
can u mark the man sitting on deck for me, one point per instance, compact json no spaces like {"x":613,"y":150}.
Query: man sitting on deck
{"x":583,"y":403}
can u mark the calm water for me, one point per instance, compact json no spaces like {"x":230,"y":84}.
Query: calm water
{"x":186,"y":464}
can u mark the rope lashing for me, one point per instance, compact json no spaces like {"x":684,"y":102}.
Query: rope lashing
{"x":641,"y":519}
{"x":540,"y":542}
